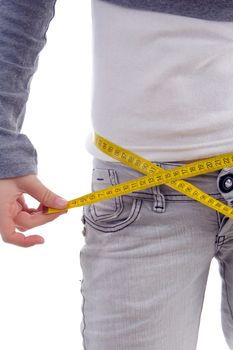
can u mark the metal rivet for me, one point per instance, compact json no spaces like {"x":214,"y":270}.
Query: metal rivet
{"x":228,"y":183}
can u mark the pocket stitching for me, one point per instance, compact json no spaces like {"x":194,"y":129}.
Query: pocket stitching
{"x":118,"y":201}
{"x":136,"y":208}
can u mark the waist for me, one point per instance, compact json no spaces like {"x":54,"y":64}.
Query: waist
{"x":206,"y":182}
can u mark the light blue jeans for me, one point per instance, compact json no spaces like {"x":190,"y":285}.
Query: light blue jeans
{"x":145,"y":264}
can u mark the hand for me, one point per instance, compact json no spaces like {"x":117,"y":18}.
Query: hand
{"x":15,"y":214}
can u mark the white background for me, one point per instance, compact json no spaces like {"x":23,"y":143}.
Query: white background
{"x":40,"y":300}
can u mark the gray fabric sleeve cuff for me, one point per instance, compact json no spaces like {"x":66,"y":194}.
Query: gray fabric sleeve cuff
{"x":18,"y":157}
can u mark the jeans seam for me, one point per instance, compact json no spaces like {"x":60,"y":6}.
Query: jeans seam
{"x":220,"y":238}
{"x":218,"y":220}
{"x":226,"y":289}
{"x":83,"y":314}
{"x":217,"y":235}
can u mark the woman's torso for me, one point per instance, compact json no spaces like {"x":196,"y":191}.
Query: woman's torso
{"x":162,"y":83}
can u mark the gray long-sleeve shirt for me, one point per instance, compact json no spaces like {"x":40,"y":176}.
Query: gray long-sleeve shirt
{"x":218,"y":10}
{"x":23,"y":27}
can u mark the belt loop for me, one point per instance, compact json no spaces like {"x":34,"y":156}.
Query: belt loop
{"x":159,"y":205}
{"x":159,"y":200}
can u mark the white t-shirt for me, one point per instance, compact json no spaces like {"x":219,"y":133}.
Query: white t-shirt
{"x":162,"y":83}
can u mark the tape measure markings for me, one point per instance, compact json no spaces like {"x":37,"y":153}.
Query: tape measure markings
{"x":192,"y":169}
{"x":156,"y":176}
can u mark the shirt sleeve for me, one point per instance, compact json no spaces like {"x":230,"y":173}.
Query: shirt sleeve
{"x":23,"y":27}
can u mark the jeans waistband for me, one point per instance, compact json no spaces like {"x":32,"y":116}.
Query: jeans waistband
{"x":206,"y":182}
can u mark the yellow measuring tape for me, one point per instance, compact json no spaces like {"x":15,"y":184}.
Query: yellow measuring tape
{"x":155,"y":176}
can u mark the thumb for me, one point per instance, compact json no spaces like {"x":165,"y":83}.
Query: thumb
{"x":35,"y":188}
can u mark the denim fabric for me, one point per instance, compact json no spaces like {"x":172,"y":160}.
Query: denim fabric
{"x":145,"y":264}
{"x":23,"y":27}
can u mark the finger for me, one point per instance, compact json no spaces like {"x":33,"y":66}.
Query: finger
{"x":20,"y":228}
{"x":33,"y":186}
{"x":22,"y":202}
{"x":9,"y":235}
{"x":21,"y":240}
{"x":28,"y":221}
{"x":25,"y":207}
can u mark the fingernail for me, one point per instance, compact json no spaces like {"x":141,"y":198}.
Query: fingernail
{"x":60,"y":202}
